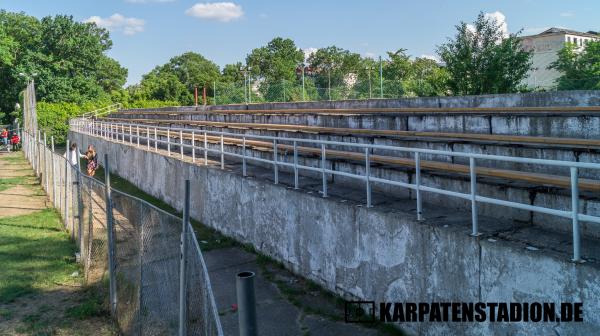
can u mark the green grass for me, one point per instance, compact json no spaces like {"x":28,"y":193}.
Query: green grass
{"x":208,"y":238}
{"x":35,"y":254}
{"x":91,"y":305}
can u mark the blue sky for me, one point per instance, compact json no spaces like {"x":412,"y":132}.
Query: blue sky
{"x":147,"y":33}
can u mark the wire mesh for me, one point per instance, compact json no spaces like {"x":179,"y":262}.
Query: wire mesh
{"x":147,"y":246}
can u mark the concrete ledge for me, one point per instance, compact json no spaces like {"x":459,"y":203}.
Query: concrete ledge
{"x":380,"y":253}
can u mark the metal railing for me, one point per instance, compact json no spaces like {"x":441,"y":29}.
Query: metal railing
{"x":103,"y":111}
{"x":158,"y":280}
{"x":138,"y":134}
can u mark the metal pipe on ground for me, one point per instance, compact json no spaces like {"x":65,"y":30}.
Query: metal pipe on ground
{"x":244,"y":284}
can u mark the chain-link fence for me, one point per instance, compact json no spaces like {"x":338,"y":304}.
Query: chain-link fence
{"x":158,"y":280}
{"x":308,"y":90}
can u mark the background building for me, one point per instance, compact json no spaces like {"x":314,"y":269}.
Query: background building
{"x":545,"y":46}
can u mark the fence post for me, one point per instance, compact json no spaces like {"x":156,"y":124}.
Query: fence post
{"x":148,"y":137}
{"x":79,"y":202}
{"x":418,"y":186}
{"x":137,"y":135}
{"x":183,"y":263}
{"x":53,"y":172}
{"x":323,"y":167}
{"x":575,"y":214}
{"x":111,"y":238}
{"x":244,"y":283}
{"x":473,"y":174}
{"x":66,"y":182}
{"x":368,"y":175}
{"x":46,"y":161}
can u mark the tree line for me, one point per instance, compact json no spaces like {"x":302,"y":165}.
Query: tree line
{"x":68,"y":61}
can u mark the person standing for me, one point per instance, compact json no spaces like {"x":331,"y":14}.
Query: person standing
{"x":4,"y":136}
{"x":92,"y":159}
{"x":73,"y":155}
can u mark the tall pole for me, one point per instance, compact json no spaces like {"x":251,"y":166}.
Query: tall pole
{"x":196,"y":95}
{"x":380,"y":78}
{"x":303,"y":88}
{"x":215,"y":92}
{"x":329,"y":82}
{"x":370,"y":91}
{"x":111,"y":239}
{"x":245,"y":88}
{"x":183,"y":262}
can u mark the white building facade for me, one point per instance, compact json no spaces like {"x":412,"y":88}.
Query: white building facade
{"x":545,"y":47}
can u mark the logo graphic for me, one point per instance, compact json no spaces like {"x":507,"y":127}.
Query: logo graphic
{"x":359,"y":311}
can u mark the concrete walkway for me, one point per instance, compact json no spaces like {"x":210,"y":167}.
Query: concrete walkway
{"x":286,"y":304}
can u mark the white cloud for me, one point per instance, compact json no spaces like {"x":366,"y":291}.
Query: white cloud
{"x":431,"y":57}
{"x":567,"y":14}
{"x":263,"y":16}
{"x":500,"y":21}
{"x":496,"y":16}
{"x":147,"y":1}
{"x":369,"y":54}
{"x":219,"y":11}
{"x":307,"y":52}
{"x":120,"y":23}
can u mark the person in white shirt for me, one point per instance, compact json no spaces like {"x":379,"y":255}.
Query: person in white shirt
{"x":73,"y":154}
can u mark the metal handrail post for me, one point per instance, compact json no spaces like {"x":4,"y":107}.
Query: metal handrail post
{"x":296,"y":165}
{"x":473,"y":175}
{"x":222,"y":153}
{"x":368,"y":176}
{"x":244,"y":156}
{"x":193,"y":147}
{"x":275,"y":166}
{"x":181,"y":143}
{"x":323,"y":167}
{"x":205,"y":149}
{"x":575,"y":214}
{"x":418,"y":186}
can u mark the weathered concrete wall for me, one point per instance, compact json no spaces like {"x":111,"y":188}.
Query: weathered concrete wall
{"x":375,"y":254}
{"x":558,"y":98}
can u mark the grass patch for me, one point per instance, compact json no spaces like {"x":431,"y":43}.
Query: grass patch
{"x":91,"y":305}
{"x":12,"y":158}
{"x":208,"y":238}
{"x":35,"y":254}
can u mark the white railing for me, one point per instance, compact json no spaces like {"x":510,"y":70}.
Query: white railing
{"x":139,"y":133}
{"x":103,"y":111}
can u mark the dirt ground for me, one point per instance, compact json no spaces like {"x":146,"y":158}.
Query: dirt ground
{"x":60,"y":304}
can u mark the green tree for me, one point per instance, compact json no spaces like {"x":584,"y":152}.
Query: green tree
{"x":7,"y":45}
{"x":481,"y":60}
{"x":334,"y":66}
{"x":579,"y":70}
{"x":68,"y":57}
{"x":276,"y":61}
{"x":176,"y":79}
